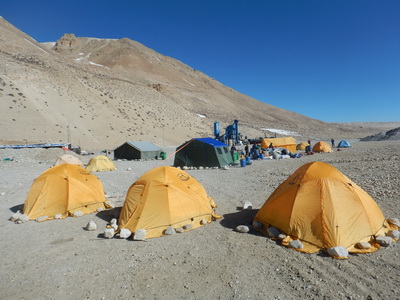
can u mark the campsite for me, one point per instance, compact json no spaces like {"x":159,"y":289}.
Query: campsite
{"x":59,"y":259}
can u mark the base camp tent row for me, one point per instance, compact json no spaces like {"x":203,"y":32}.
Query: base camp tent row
{"x":322,"y":208}
{"x":64,"y":190}
{"x":203,"y":152}
{"x":164,"y":197}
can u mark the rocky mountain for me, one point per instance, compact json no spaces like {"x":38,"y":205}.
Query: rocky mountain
{"x":390,"y":135}
{"x":99,"y":93}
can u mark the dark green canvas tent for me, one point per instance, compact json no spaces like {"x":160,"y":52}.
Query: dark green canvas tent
{"x":137,"y":150}
{"x":203,"y":152}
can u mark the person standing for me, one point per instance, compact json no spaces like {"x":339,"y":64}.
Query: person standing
{"x":333,"y":143}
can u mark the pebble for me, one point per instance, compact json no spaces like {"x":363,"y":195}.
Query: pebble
{"x":297,"y":244}
{"x":242,"y":229}
{"x":338,"y":251}
{"x":91,"y":226}
{"x":109,"y":233}
{"x":78,"y":213}
{"x":247,"y":205}
{"x":140,"y":235}
{"x":203,"y":222}
{"x":257,"y":224}
{"x":273,"y":232}
{"x":363,"y":245}
{"x":394,"y":234}
{"x":187,"y":226}
{"x":170,"y":230}
{"x":384,"y":241}
{"x":179,"y":230}
{"x":125,"y":233}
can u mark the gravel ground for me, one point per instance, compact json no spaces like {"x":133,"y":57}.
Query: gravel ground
{"x":59,"y":260}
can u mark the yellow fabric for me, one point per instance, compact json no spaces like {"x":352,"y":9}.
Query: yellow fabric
{"x":302,"y":146}
{"x":63,"y":190}
{"x":322,"y":147}
{"x":162,"y":197}
{"x":323,"y":208}
{"x":68,"y":159}
{"x":100,"y":163}
{"x":288,"y":143}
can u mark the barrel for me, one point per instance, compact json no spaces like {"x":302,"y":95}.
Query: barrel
{"x":242,"y":162}
{"x":235,"y":156}
{"x":248,"y":160}
{"x":163,"y":155}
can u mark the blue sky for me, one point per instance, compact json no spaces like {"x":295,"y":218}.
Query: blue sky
{"x":336,"y":61}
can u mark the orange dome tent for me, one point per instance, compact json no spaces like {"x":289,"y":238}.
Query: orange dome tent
{"x":163,"y":197}
{"x":100,"y":163}
{"x":322,"y":147}
{"x":322,"y":208}
{"x":64,"y":190}
{"x":302,"y":146}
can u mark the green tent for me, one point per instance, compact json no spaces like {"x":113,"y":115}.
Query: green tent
{"x":203,"y":152}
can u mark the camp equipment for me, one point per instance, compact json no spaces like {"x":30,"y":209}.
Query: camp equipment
{"x":163,"y":197}
{"x":344,"y":144}
{"x":64,"y":190}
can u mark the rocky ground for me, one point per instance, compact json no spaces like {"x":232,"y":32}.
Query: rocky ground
{"x":60,"y":260}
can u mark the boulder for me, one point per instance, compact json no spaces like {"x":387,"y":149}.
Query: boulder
{"x":125,"y":233}
{"x":338,"y":251}
{"x":169,"y":231}
{"x":242,"y":229}
{"x":91,"y":226}
{"x":140,"y":235}
{"x":297,"y":244}
{"x":384,"y":241}
{"x":109,"y":233}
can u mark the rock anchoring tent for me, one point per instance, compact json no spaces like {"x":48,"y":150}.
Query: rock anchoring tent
{"x":318,"y":207}
{"x":203,"y":152}
{"x":166,"y":200}
{"x":100,"y":163}
{"x":137,"y":150}
{"x":64,"y":190}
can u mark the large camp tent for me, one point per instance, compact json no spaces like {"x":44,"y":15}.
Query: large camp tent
{"x":344,"y":144}
{"x":322,"y":147}
{"x":203,"y":152}
{"x":100,"y":163}
{"x":322,"y":208}
{"x":68,"y":159}
{"x":163,"y":197}
{"x":137,"y":150}
{"x":288,"y":143}
{"x":64,"y":190}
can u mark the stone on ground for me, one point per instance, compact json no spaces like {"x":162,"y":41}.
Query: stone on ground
{"x":384,"y":241}
{"x":140,"y":235}
{"x":109,"y":233}
{"x":170,"y":230}
{"x":338,"y":251}
{"x":394,"y":234}
{"x":91,"y":226}
{"x":363,"y":245}
{"x":297,"y":244}
{"x":125,"y":233}
{"x":273,"y":232}
{"x":242,"y":229}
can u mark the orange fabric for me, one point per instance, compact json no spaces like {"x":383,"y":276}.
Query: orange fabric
{"x":63,"y":190}
{"x":288,"y":143}
{"x":323,"y":208}
{"x":162,"y":197}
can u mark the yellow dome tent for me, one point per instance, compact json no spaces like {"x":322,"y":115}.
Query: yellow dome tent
{"x":302,"y":146}
{"x":322,"y":147}
{"x":100,"y":163}
{"x":68,"y":159}
{"x":163,"y":197}
{"x":64,"y":190}
{"x":322,"y":208}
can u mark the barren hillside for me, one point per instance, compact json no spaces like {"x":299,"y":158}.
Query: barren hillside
{"x":99,"y":93}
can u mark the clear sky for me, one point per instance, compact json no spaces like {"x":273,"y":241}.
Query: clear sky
{"x":336,"y":61}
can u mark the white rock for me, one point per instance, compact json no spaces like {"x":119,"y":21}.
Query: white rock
{"x":78,"y":214}
{"x":108,"y":202}
{"x":179,"y":230}
{"x":113,"y":221}
{"x":187,"y":226}
{"x":338,"y":251}
{"x":273,"y":232}
{"x":247,"y":205}
{"x":297,"y":244}
{"x":242,"y":229}
{"x":170,"y":230}
{"x":185,"y":168}
{"x":91,"y":226}
{"x":281,"y":236}
{"x":23,"y":218}
{"x":114,"y":226}
{"x":384,"y":241}
{"x":42,"y":218}
{"x":125,"y":233}
{"x":363,"y":245}
{"x":140,"y":235}
{"x":394,"y":234}
{"x":257,"y":224}
{"x":58,"y":216}
{"x":201,"y":168}
{"x":129,"y":169}
{"x":203,"y":222}
{"x":225,"y":168}
{"x":109,"y":233}
{"x":99,"y":209}
{"x":15,"y":216}
{"x":394,"y":221}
